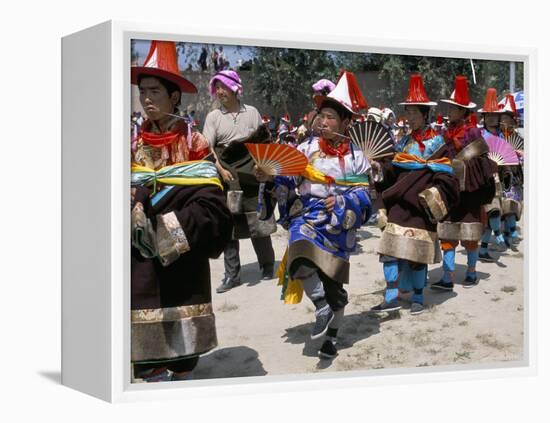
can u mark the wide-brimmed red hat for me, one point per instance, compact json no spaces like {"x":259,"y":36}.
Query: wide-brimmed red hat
{"x":162,"y":62}
{"x":460,"y":96}
{"x":416,"y":96}
{"x":346,"y":93}
{"x":508,"y":105}
{"x":490,"y":105}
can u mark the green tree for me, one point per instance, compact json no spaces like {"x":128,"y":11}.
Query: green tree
{"x":283,"y":77}
{"x":439,"y":73}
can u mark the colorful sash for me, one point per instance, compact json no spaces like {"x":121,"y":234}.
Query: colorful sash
{"x":412,"y":162}
{"x":315,"y":175}
{"x":198,"y":172}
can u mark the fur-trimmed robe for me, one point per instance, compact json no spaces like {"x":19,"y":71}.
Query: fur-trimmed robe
{"x":171,"y":299}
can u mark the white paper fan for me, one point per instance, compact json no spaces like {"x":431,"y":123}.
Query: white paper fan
{"x":515,"y":139}
{"x":372,"y":138}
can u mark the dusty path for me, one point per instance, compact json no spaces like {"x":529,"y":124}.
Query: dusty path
{"x":259,"y":335}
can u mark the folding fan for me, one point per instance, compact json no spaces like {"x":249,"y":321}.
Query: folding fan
{"x":515,"y":140}
{"x":372,"y":138}
{"x":277,"y":159}
{"x":501,"y":152}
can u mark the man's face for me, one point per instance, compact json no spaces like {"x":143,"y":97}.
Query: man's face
{"x":154,"y":98}
{"x":456,"y":113}
{"x":491,"y":120}
{"x":224,"y":94}
{"x":330,"y":123}
{"x":507,"y":122}
{"x":414,"y":117}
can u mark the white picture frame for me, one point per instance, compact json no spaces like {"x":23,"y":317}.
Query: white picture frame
{"x":96,"y":257}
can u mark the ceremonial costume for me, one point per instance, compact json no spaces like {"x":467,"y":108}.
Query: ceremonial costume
{"x":494,"y":208}
{"x":320,"y":242}
{"x":179,"y":221}
{"x":512,"y":177}
{"x":417,"y":189}
{"x":475,"y":171}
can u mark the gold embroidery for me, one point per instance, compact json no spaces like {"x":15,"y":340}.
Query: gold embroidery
{"x":415,"y":233}
{"x":170,"y":314}
{"x":431,"y":199}
{"x":171,"y":238}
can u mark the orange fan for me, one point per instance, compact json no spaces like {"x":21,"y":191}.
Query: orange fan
{"x":277,"y":159}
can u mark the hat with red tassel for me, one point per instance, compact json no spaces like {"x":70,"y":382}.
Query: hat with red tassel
{"x":473,"y":120}
{"x":162,"y":62}
{"x":346,"y":93}
{"x":266,"y":119}
{"x":416,"y":96}
{"x":460,"y":96}
{"x":490,"y":105}
{"x":285,"y":118}
{"x":508,"y":105}
{"x":439,"y":120}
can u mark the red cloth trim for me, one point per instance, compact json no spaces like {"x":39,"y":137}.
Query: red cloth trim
{"x":339,"y":151}
{"x":164,"y":139}
{"x":421,"y":135}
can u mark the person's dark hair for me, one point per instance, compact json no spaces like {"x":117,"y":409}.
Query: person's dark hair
{"x":170,"y":86}
{"x":341,"y":110}
{"x":425,"y":110}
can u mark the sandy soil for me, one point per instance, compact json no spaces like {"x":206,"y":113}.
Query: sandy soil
{"x":259,"y":335}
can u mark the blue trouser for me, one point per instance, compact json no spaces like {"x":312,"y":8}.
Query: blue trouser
{"x":472,"y":260}
{"x":494,"y":227}
{"x":411,"y":277}
{"x":391,"y":274}
{"x":510,"y":229}
{"x":449,"y":264}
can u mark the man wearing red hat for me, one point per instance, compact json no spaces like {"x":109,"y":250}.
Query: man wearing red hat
{"x":284,"y":127}
{"x":331,"y":204}
{"x":468,"y":151}
{"x":226,"y":129}
{"x":512,"y":179}
{"x":491,"y":113}
{"x":416,"y":191}
{"x":179,"y":221}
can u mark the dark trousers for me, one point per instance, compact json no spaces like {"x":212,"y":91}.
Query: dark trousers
{"x":185,"y":364}
{"x":335,"y":294}
{"x":232,"y":262}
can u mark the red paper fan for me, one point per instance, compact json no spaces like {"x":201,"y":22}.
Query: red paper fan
{"x":277,"y":159}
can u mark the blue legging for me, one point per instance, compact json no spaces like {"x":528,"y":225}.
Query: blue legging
{"x":510,"y":227}
{"x":449,"y":264}
{"x":411,"y":278}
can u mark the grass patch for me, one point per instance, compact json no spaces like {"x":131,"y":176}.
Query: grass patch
{"x":463,"y":355}
{"x":508,"y":289}
{"x":489,"y":340}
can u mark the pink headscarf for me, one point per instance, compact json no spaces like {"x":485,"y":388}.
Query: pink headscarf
{"x":228,"y":78}
{"x":323,"y":84}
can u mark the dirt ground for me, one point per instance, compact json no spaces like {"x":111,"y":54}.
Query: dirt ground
{"x":259,"y":335}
